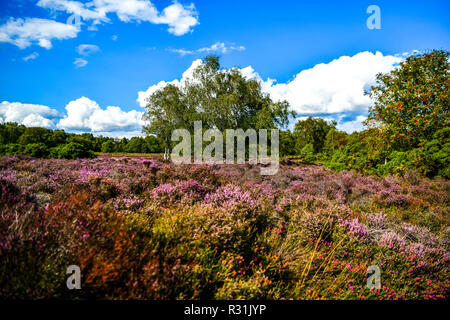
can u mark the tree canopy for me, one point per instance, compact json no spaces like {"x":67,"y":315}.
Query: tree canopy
{"x":411,"y":103}
{"x":220,"y":98}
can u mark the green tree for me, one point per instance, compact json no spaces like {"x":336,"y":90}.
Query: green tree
{"x":120,"y":144}
{"x":312,"y":131}
{"x":307,"y":153}
{"x":152,"y":144}
{"x":221,"y":98}
{"x":35,"y":135}
{"x":85,"y":140}
{"x":136,"y":145}
{"x":287,"y":143}
{"x":37,"y":150}
{"x":10,"y":132}
{"x":73,"y":150}
{"x":108,"y":146}
{"x":335,"y":140}
{"x":57,"y":138}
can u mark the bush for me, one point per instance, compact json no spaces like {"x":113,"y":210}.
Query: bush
{"x":10,"y":149}
{"x":308,"y":153}
{"x":73,"y":150}
{"x":338,"y":161}
{"x":37,"y":150}
{"x":108,"y":146}
{"x":397,"y":164}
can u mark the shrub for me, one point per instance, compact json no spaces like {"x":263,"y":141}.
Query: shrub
{"x":215,"y":232}
{"x":37,"y":150}
{"x":11,"y":149}
{"x":73,"y":150}
{"x":308,"y":153}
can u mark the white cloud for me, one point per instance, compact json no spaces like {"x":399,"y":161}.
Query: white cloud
{"x":44,"y":43}
{"x":36,"y":120}
{"x":80,"y":63}
{"x":352,"y":125}
{"x":409,"y":53}
{"x":114,"y":37}
{"x":84,"y":114}
{"x":216,"y":47}
{"x":183,"y":52}
{"x":221,"y":47}
{"x":32,"y":56}
{"x":25,"y":32}
{"x":180,"y":19}
{"x":143,"y":95}
{"x":73,"y":7}
{"x":334,"y":87}
{"x":28,"y":114}
{"x":328,"y":89}
{"x":87,"y":49}
{"x":120,"y":134}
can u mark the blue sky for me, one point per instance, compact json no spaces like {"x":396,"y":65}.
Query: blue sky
{"x":68,"y":76}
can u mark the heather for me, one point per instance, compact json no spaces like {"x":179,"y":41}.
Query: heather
{"x":149,"y":229}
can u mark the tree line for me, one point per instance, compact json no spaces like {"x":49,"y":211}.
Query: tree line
{"x":42,"y":143}
{"x":407,"y":128}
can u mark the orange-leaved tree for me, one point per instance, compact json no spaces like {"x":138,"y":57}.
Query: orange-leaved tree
{"x":411,"y":103}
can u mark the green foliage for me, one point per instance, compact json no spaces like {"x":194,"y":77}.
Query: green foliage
{"x":83,"y":140}
{"x":312,"y":131}
{"x":136,"y":145}
{"x":287,"y":143}
{"x":10,"y":132}
{"x":35,"y":135}
{"x":73,"y":150}
{"x":37,"y":150}
{"x":335,"y":140}
{"x":57,"y":138}
{"x":307,"y":153}
{"x":11,"y":149}
{"x":408,"y":126}
{"x":108,"y":146}
{"x":338,"y":161}
{"x":41,"y":142}
{"x":153,"y":145}
{"x":222,"y":99}
{"x":412,"y":102}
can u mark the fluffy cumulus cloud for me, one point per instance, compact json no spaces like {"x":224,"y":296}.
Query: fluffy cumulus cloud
{"x":82,"y":115}
{"x":25,"y":32}
{"x":333,"y":90}
{"x":32,"y":115}
{"x":143,"y":95}
{"x":219,"y":47}
{"x":36,"y":120}
{"x":86,"y":115}
{"x":330,"y":88}
{"x":180,"y":19}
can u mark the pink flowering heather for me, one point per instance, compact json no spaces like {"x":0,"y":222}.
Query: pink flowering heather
{"x":143,"y":229}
